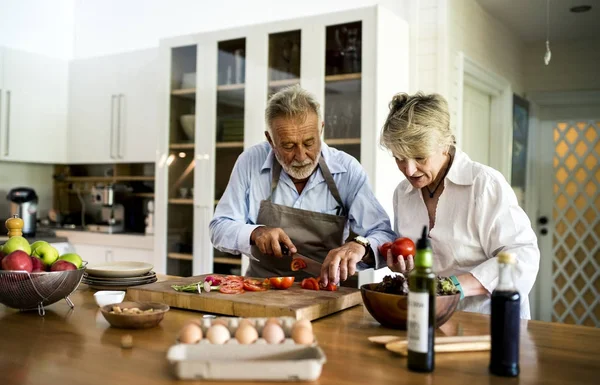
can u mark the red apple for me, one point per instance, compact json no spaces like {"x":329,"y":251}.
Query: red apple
{"x":61,"y":265}
{"x":37,"y":264}
{"x":17,"y":260}
{"x":2,"y":255}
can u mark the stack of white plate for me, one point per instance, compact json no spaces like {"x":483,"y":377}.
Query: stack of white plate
{"x":118,"y":275}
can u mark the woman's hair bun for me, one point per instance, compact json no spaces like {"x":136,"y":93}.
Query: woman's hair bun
{"x":398,"y":102}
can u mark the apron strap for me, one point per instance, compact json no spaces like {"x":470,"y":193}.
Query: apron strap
{"x":331,"y":184}
{"x":326,"y":175}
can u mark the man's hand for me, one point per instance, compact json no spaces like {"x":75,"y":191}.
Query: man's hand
{"x":399,"y":264}
{"x":268,"y":240}
{"x":341,"y":263}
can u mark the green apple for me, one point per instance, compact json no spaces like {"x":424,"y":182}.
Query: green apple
{"x":16,"y":243}
{"x":46,"y":253}
{"x":35,"y":245}
{"x":73,"y":258}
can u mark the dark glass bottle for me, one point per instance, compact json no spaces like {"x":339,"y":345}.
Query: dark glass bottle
{"x":505,"y":319}
{"x":421,"y":309}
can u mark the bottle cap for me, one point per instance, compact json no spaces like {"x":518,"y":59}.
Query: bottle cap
{"x":506,"y":257}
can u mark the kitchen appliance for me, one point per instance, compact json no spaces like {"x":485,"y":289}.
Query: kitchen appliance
{"x":112,"y":215}
{"x":24,"y":203}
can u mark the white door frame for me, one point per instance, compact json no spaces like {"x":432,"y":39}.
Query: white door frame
{"x":546,"y":107}
{"x":501,"y":114}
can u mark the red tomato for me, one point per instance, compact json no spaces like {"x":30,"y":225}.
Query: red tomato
{"x":310,"y":284}
{"x":281,"y":283}
{"x":383,"y":249}
{"x":298,"y":264}
{"x":232,"y":288}
{"x":330,"y":285}
{"x":403,"y":247}
{"x":254,"y":285}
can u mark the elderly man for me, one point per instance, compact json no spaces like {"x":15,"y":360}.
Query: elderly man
{"x":294,"y":192}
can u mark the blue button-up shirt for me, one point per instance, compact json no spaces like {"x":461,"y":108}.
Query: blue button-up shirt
{"x":250,"y":183}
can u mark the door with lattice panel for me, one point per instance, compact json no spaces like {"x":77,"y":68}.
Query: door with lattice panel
{"x":575,"y":223}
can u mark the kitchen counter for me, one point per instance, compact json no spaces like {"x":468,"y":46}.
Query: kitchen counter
{"x":79,"y":347}
{"x":49,"y":239}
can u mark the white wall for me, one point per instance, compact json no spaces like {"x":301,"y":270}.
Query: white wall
{"x":38,"y":26}
{"x":111,"y":26}
{"x":574,"y":66}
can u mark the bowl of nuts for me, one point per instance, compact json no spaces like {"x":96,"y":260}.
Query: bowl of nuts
{"x":134,"y":315}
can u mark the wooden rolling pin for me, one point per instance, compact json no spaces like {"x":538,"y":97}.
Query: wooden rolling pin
{"x":447,"y":344}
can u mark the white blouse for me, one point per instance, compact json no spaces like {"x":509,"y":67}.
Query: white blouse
{"x":477,"y":216}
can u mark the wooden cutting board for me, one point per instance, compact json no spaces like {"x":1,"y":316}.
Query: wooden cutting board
{"x":293,"y":302}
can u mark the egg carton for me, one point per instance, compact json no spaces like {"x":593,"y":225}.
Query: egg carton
{"x":285,"y":361}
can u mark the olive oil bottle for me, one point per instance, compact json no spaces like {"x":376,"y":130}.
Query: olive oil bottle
{"x":421,"y":309}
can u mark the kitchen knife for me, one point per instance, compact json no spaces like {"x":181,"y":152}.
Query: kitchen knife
{"x":312,"y":267}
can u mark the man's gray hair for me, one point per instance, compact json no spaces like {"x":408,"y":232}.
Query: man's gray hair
{"x":291,"y":102}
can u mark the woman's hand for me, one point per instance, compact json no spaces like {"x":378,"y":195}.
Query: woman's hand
{"x":398,"y":264}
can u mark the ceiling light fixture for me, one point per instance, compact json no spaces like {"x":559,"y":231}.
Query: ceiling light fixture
{"x":548,"y":54}
{"x":581,"y":8}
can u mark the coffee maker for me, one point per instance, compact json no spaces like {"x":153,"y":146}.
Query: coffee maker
{"x":24,"y":203}
{"x":111,"y":215}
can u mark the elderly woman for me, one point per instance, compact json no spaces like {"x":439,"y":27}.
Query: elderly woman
{"x":471,"y":210}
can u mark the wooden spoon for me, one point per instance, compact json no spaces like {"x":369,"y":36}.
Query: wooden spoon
{"x":384,"y":340}
{"x":447,"y":344}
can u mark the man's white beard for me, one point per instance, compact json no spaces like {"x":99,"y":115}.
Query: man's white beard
{"x":299,"y":170}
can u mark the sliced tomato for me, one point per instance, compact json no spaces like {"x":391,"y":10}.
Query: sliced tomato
{"x":331,"y":287}
{"x":226,"y":289}
{"x":281,"y":283}
{"x":254,"y":285}
{"x":298,"y":264}
{"x":310,"y":284}
{"x":234,"y":278}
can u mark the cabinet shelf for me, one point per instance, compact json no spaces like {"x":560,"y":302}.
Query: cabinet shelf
{"x":181,"y":201}
{"x":230,"y":144}
{"x":231,"y":87}
{"x":143,"y":195}
{"x":284,"y":82}
{"x":343,"y":77}
{"x":182,"y":146}
{"x":342,"y":141}
{"x":182,"y":256}
{"x":228,"y":260}
{"x":123,"y":178}
{"x":189,"y":93}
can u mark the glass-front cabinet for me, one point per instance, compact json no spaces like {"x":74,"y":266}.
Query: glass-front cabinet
{"x":343,"y":80}
{"x":180,"y":160}
{"x":229,"y":140}
{"x":219,"y":83}
{"x":284,"y":60}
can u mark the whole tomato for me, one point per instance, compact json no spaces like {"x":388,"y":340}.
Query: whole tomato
{"x":281,"y":283}
{"x":403,"y":247}
{"x":383,"y":249}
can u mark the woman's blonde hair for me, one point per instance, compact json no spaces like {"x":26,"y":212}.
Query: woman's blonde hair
{"x":417,"y":126}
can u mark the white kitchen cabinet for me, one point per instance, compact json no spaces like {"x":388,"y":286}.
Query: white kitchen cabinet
{"x":33,"y":107}
{"x":113,"y":102}
{"x":354,"y":96}
{"x":95,"y":254}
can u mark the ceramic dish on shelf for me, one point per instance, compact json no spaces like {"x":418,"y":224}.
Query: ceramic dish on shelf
{"x":96,"y":286}
{"x":122,"y":269}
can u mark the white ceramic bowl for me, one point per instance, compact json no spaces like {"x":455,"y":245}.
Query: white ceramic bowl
{"x":107,"y":297}
{"x":188,"y":123}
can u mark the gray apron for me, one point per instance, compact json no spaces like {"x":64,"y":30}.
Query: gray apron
{"x":314,"y":234}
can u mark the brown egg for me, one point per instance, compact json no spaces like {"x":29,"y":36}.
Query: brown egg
{"x":246,"y":334}
{"x":246,"y":321}
{"x":303,"y":335}
{"x":191,"y":333}
{"x":273,"y":320}
{"x":303,"y":323}
{"x":273,"y":333}
{"x":218,"y":334}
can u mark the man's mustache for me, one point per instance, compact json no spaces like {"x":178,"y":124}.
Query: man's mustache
{"x":305,"y":163}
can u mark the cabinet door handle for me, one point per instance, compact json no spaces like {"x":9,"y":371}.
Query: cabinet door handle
{"x":7,"y":137}
{"x":112,"y":126}
{"x":121,"y":99}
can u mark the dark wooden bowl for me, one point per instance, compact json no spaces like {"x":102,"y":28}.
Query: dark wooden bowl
{"x":391,"y":310}
{"x":135,"y":321}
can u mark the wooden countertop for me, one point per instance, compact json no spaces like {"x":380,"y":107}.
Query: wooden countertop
{"x":78,"y":347}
